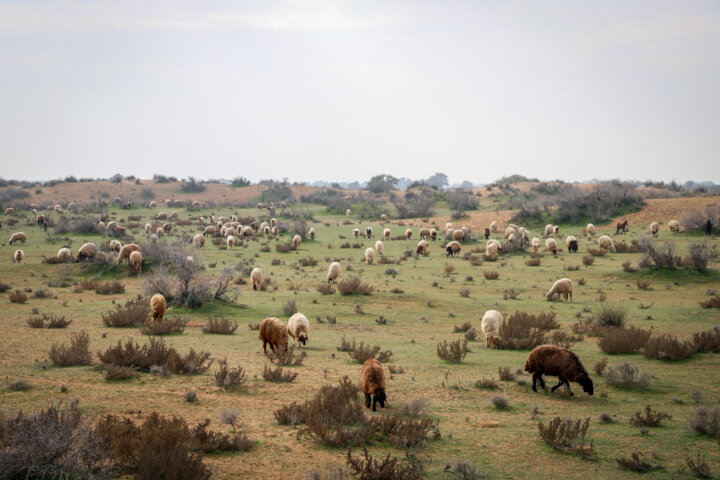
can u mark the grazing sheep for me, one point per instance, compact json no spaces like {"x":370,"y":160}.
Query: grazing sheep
{"x":621,"y":227}
{"x":491,"y":322}
{"x":674,"y":226}
{"x":356,"y":233}
{"x":9,"y":211}
{"x":273,"y":222}
{"x":248,"y":231}
{"x":297,"y":239}
{"x":230,"y":241}
{"x":196,"y":204}
{"x":126,"y":251}
{"x":152,"y":204}
{"x":493,"y":227}
{"x":158,"y":305}
{"x":448,"y":226}
{"x":510,"y":231}
{"x":372,"y":381}
{"x":276,"y":231}
{"x":379,"y":248}
{"x":311,"y":234}
{"x":298,"y":328}
{"x":347,"y":198}
{"x":115,"y":246}
{"x":101,"y":228}
{"x":433,"y":234}
{"x":154,"y":238}
{"x":422,"y":247}
{"x":556,"y":230}
{"x":199,"y":240}
{"x":606,"y":243}
{"x":65,"y":255}
{"x":453,"y":249}
{"x":333,"y":272}
{"x":549,"y":230}
{"x":127,"y":205}
{"x":383,"y":218}
{"x":256,"y":276}
{"x":654,"y":227}
{"x":161,"y":216}
{"x":87,"y":251}
{"x":458,"y":235}
{"x":148,"y":228}
{"x":491,"y":249}
{"x":571,"y":243}
{"x":424,"y":233}
{"x":18,"y":237}
{"x":551,"y":246}
{"x":168,"y":202}
{"x":557,"y":362}
{"x":135,"y":260}
{"x":449,"y":233}
{"x":159,"y":232}
{"x":408,"y":233}
{"x":486,"y":233}
{"x":18,"y":256}
{"x":167,"y":227}
{"x":590,"y":229}
{"x":266,"y":232}
{"x":524,"y":235}
{"x":563,"y":287}
{"x":511,"y":240}
{"x":535,"y":244}
{"x":40,"y":219}
{"x":259,"y":206}
{"x":173,"y":215}
{"x":386,"y":234}
{"x":274,"y":332}
{"x":369,"y":255}
{"x":347,"y":212}
{"x":369,"y":232}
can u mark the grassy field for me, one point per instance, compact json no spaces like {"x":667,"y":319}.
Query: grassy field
{"x":502,"y":443}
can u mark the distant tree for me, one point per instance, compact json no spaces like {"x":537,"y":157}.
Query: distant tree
{"x":381,"y":183}
{"x":440,"y":180}
{"x":117,"y":178}
{"x":240,"y":182}
{"x":466,"y":184}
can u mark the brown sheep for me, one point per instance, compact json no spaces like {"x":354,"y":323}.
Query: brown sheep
{"x":458,"y":235}
{"x":86,"y":252}
{"x":408,"y":233}
{"x":18,"y":237}
{"x":274,"y":332}
{"x":563,"y":287}
{"x":157,"y":307}
{"x":452,"y":249}
{"x":487,"y":233}
{"x":557,"y":362}
{"x":136,"y":260}
{"x":126,"y":251}
{"x":372,"y":381}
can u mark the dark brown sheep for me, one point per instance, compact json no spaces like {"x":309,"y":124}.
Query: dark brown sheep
{"x":372,"y":381}
{"x":557,"y":362}
{"x":621,"y":227}
{"x":487,"y":233}
{"x":274,"y":332}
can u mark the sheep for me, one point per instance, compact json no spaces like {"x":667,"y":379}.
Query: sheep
{"x":386,"y":234}
{"x":18,"y":237}
{"x":115,"y":246}
{"x":493,"y":227}
{"x":199,"y":240}
{"x":173,"y":215}
{"x":196,"y":204}
{"x":424,"y":233}
{"x":372,"y":381}
{"x":168,"y":202}
{"x":379,"y":248}
{"x":265,"y":224}
{"x":152,"y":204}
{"x":259,"y":206}
{"x":356,"y":233}
{"x":347,"y":212}
{"x":127,"y":205}
{"x":524,"y":235}
{"x":276,"y":231}
{"x":433,"y":234}
{"x":347,"y":198}
{"x":510,"y":231}
{"x":298,"y":328}
{"x":273,"y":222}
{"x":40,"y":219}
{"x":120,"y":231}
{"x":274,"y":332}
{"x":111,"y":226}
{"x":511,"y":240}
{"x":422,"y":247}
{"x":654,"y":227}
{"x":556,"y":230}
{"x":10,"y":211}
{"x":448,"y":226}
{"x":549,"y":230}
{"x":158,"y":305}
{"x":571,"y":243}
{"x":674,"y":226}
{"x":607,"y":243}
{"x":453,"y":249}
{"x":557,"y":362}
{"x":383,"y":218}
{"x":449,"y":233}
{"x":491,"y":249}
{"x":18,"y":256}
{"x":535,"y":244}
{"x":590,"y":229}
{"x":369,"y":232}
{"x":563,"y":287}
{"x":136,"y":260}
{"x":333,"y":272}
{"x":369,"y":255}
{"x":297,"y":239}
{"x":458,"y":235}
{"x":248,"y":231}
{"x":101,"y":257}
{"x":159,"y":232}
{"x":230,"y":241}
{"x":408,"y":233}
{"x":154,"y":238}
{"x":621,"y":226}
{"x":311,"y":233}
{"x":148,"y":228}
{"x":491,"y":322}
{"x":161,"y":216}
{"x":64,"y":255}
{"x":126,"y":251}
{"x":486,"y":233}
{"x":256,"y":276}
{"x":167,"y":227}
{"x":551,"y":246}
{"x":87,"y":251}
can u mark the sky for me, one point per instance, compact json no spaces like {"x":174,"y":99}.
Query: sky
{"x":343,"y":90}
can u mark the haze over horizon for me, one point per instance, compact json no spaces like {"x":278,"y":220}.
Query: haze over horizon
{"x":341,"y":91}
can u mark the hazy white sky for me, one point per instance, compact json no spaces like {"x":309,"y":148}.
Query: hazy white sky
{"x":341,"y":90}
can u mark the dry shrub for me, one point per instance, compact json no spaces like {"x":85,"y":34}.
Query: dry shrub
{"x":286,"y":357}
{"x":385,"y":260}
{"x":532,"y":262}
{"x":4,"y":287}
{"x":212,"y":441}
{"x":706,"y":421}
{"x":368,"y":467}
{"x":566,"y":435}
{"x":18,"y":296}
{"x":155,"y":353}
{"x":642,"y":284}
{"x":698,"y":465}
{"x":78,"y":353}
{"x":284,"y":247}
{"x":505,"y":374}
{"x":712,"y":302}
{"x":462,"y":328}
{"x":229,"y":378}
{"x":220,"y":326}
{"x":278,"y":375}
{"x":133,"y":314}
{"x":453,"y":352}
{"x":491,"y":274}
{"x":564,"y":339}
{"x":168,"y":326}
{"x":707,"y":341}
{"x":637,"y":462}
{"x":572,"y":268}
{"x":487,"y":383}
{"x":395,"y":369}
{"x":325,"y":288}
{"x":361,"y":352}
{"x":596,"y":252}
{"x":648,"y":418}
{"x":42,"y":293}
{"x":588,"y":260}
{"x":307,"y":262}
{"x":417,"y":407}
{"x":52,"y":443}
{"x":109,"y":287}
{"x":658,"y":256}
{"x":668,"y":347}
{"x":354,"y":286}
{"x":114,"y":372}
{"x":600,"y":366}
{"x":624,"y":340}
{"x":523,"y":330}
{"x":627,"y":266}
{"x":404,"y":432}
{"x":47,"y":320}
{"x":254,"y":326}
{"x":191,"y":363}
{"x":627,"y":376}
{"x":611,"y":315}
{"x":587,"y":326}
{"x":289,"y":308}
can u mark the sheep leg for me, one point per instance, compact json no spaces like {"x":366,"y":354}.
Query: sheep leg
{"x":367,"y":400}
{"x":538,"y":376}
{"x":568,"y":387}
{"x":562,"y":381}
{"x":374,"y":403}
{"x":265,"y":347}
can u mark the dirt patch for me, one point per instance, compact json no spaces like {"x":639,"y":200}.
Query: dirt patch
{"x":664,"y":209}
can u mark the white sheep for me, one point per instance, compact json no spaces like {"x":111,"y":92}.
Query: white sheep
{"x":199,"y":240}
{"x":9,"y":211}
{"x":298,"y":328}
{"x":492,"y":320}
{"x":549,"y":229}
{"x":173,"y":215}
{"x":136,"y":260}
{"x":18,"y":256}
{"x":87,"y":251}
{"x":491,"y":249}
{"x":511,"y":240}
{"x":101,"y":228}
{"x":64,"y":255}
{"x":256,"y":276}
{"x":448,"y":226}
{"x":493,"y":226}
{"x":126,"y":251}
{"x":311,"y":234}
{"x":230,"y":241}
{"x":383,"y":218}
{"x":674,"y":226}
{"x":159,"y":232}
{"x":18,"y":237}
{"x":148,"y":229}
{"x":333,"y":272}
{"x":422,"y":247}
{"x":458,"y":235}
{"x":453,"y":249}
{"x":347,"y":212}
{"x":356,"y":233}
{"x":386,"y":234}
{"x":551,"y":246}
{"x":379,"y":247}
{"x":535,"y":244}
{"x":152,"y":204}
{"x":606,"y":243}
{"x":369,"y":255}
{"x":590,"y":230}
{"x":563,"y":287}
{"x":449,"y":233}
{"x":297,"y":239}
{"x":408,"y":233}
{"x":654,"y":228}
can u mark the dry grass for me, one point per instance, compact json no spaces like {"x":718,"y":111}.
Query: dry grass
{"x":278,"y":375}
{"x":354,"y":286}
{"x":624,"y":340}
{"x":168,"y":326}
{"x":220,"y":326}
{"x":48,"y":321}
{"x":637,"y":462}
{"x":134,"y":313}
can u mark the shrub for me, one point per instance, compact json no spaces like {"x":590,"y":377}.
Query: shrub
{"x":505,"y":374}
{"x":532,"y":262}
{"x":491,"y":274}
{"x":471,"y":334}
{"x":109,"y":287}
{"x":229,"y":378}
{"x":698,"y":465}
{"x":642,"y":284}
{"x":627,"y":376}
{"x":566,"y":435}
{"x":668,"y":347}
{"x":417,"y":407}
{"x":361,"y":352}
{"x":284,"y":247}
{"x":588,"y":260}
{"x":4,"y":287}
{"x":168,"y":326}
{"x":19,"y":385}
{"x":462,"y":328}
{"x":190,"y":363}
{"x":78,"y":353}
{"x":596,"y":252}
{"x":289,"y":308}
{"x":702,"y":254}
{"x":18,"y":297}
{"x":706,"y":421}
{"x":465,"y":292}
{"x":600,"y":366}
{"x":658,"y":256}
{"x":286,"y":357}
{"x":611,"y":315}
{"x":325,"y":288}
{"x":624,"y":340}
{"x":278,"y":375}
{"x":637,"y":462}
{"x":500,"y":402}
{"x":307,"y":262}
{"x":133,"y":314}
{"x":453,"y":352}
{"x":368,"y":467}
{"x":42,"y":293}
{"x":114,"y":372}
{"x":712,"y":302}
{"x":522,"y":330}
{"x":627,"y":266}
{"x":353,"y":286}
{"x":707,"y":341}
{"x":487,"y":383}
{"x":48,"y":321}
{"x":220,"y":326}
{"x":649,"y":418}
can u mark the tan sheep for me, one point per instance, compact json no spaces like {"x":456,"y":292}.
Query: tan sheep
{"x":535,"y":244}
{"x":386,"y":234}
{"x":173,"y":215}
{"x":298,"y":328}
{"x":356,"y":233}
{"x":65,"y":255}
{"x":606,"y":243}
{"x":369,"y":255}
{"x":453,"y":249}
{"x":126,"y":251}
{"x":563,"y":287}
{"x":654,"y":228}
{"x":347,"y":212}
{"x":161,"y":216}
{"x":297,"y":239}
{"x":159,"y":232}
{"x":493,"y":226}
{"x":571,"y":243}
{"x":383,"y":218}
{"x":9,"y":211}
{"x":115,"y":246}
{"x":148,"y":228}
{"x":18,"y":256}
{"x":209,"y":231}
{"x":674,"y":226}
{"x":311,"y":234}
{"x":167,"y":227}
{"x":448,"y":226}
{"x":422,"y":247}
{"x":590,"y":230}
{"x":256,"y":277}
{"x":87,"y":251}
{"x":18,"y":237}
{"x":433,"y":234}
{"x":379,"y":248}
{"x":230,"y":241}
{"x":152,"y":204}
{"x":549,"y":230}
{"x":136,"y":260}
{"x":491,"y":322}
{"x":408,"y":233}
{"x":458,"y":235}
{"x":551,"y":246}
{"x":276,"y":231}
{"x":199,"y":240}
{"x":424,"y":233}
{"x":158,"y":305}
{"x":491,"y":249}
